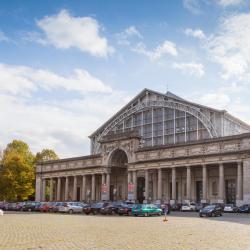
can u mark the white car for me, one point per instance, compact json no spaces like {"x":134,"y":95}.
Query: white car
{"x":230,"y":208}
{"x":188,"y":207}
{"x":71,"y":207}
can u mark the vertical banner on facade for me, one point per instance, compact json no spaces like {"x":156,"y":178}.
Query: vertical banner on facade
{"x":131,"y":191}
{"x":104,"y":192}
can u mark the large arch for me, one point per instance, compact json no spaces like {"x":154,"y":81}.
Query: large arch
{"x":142,"y":106}
{"x":118,"y":179}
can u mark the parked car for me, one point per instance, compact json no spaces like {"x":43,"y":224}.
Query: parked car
{"x":146,"y":210}
{"x":211,"y":210}
{"x":175,"y":207}
{"x":125,"y":209}
{"x":29,"y":206}
{"x":244,"y":209}
{"x":111,"y":208}
{"x":188,"y":207}
{"x":38,"y":206}
{"x":95,"y":208}
{"x":55,"y":207}
{"x":70,"y":207}
{"x":44,"y":207}
{"x":230,"y":208}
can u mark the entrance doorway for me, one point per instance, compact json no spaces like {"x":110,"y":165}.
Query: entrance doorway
{"x":140,"y":189}
{"x":198,"y":191}
{"x":230,"y":188}
{"x":118,"y":177}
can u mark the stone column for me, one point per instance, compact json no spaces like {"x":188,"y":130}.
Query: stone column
{"x":135,"y":184}
{"x":221,"y":182}
{"x":75,"y":189}
{"x":204,"y":182}
{"x":239,"y":181}
{"x":51,"y":190}
{"x":84,"y":187}
{"x":154,"y":179}
{"x":146,"y":184}
{"x":188,"y":183}
{"x":108,"y":185}
{"x":159,"y":184}
{"x":103,"y":178}
{"x":173,"y":184}
{"x":93,"y":187}
{"x":38,"y":195}
{"x":66,"y":188}
{"x":129,"y":177}
{"x":58,"y":195}
{"x":44,"y":190}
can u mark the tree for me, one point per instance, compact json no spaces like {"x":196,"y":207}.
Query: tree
{"x":17,"y":178}
{"x":46,"y":155}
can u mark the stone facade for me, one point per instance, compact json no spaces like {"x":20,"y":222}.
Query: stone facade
{"x":212,"y":169}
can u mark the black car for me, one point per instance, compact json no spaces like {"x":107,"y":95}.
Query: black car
{"x":112,"y":208}
{"x":29,"y":206}
{"x":95,"y":208}
{"x":211,"y":210}
{"x":125,"y":209}
{"x":244,"y":209}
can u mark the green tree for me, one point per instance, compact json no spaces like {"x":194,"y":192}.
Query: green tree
{"x":46,"y":155}
{"x":17,"y":178}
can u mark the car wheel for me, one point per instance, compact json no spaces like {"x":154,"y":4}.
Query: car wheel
{"x":210,"y":215}
{"x":220,"y":214}
{"x":146,"y":214}
{"x":29,"y":209}
{"x":200,"y":215}
{"x":70,"y":211}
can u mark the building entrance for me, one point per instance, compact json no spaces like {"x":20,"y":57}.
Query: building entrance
{"x":198,"y":191}
{"x":140,"y":189}
{"x":230,"y":188}
{"x":118,"y":177}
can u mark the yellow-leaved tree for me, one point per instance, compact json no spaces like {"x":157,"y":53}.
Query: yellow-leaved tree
{"x":17,"y":172}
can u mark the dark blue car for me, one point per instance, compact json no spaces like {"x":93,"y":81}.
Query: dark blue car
{"x":244,"y":209}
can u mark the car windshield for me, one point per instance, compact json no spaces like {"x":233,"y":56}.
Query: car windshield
{"x":210,"y":207}
{"x":229,"y":205}
{"x":138,"y":206}
{"x":97,"y":205}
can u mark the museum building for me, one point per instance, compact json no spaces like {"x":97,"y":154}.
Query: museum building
{"x":157,"y":147}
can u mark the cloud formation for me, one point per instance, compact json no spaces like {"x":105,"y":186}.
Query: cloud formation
{"x":65,"y":31}
{"x":32,"y":110}
{"x":22,"y":80}
{"x":193,"y":69}
{"x":167,"y":48}
{"x":196,"y":33}
{"x":3,"y":37}
{"x":130,"y":32}
{"x":230,"y":47}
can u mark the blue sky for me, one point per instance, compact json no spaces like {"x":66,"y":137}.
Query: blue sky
{"x":67,"y":66}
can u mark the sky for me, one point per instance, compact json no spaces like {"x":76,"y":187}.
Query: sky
{"x":68,"y":66}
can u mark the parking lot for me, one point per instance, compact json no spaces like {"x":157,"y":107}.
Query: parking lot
{"x":182,"y":231}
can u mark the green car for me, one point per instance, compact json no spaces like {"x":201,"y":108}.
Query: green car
{"x":146,"y":210}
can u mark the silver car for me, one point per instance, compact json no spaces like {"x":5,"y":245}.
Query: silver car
{"x":71,"y":207}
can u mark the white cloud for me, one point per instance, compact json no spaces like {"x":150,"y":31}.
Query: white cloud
{"x":230,"y":46}
{"x":124,"y":36}
{"x":32,"y":110}
{"x":193,"y":6}
{"x":197,"y":33}
{"x":3,"y":37}
{"x":167,"y":48}
{"x":21,"y":80}
{"x":226,"y":3}
{"x":65,"y":31}
{"x":194,"y":69}
{"x":216,"y":100}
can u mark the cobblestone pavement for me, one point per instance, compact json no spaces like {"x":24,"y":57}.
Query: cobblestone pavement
{"x":182,"y":231}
